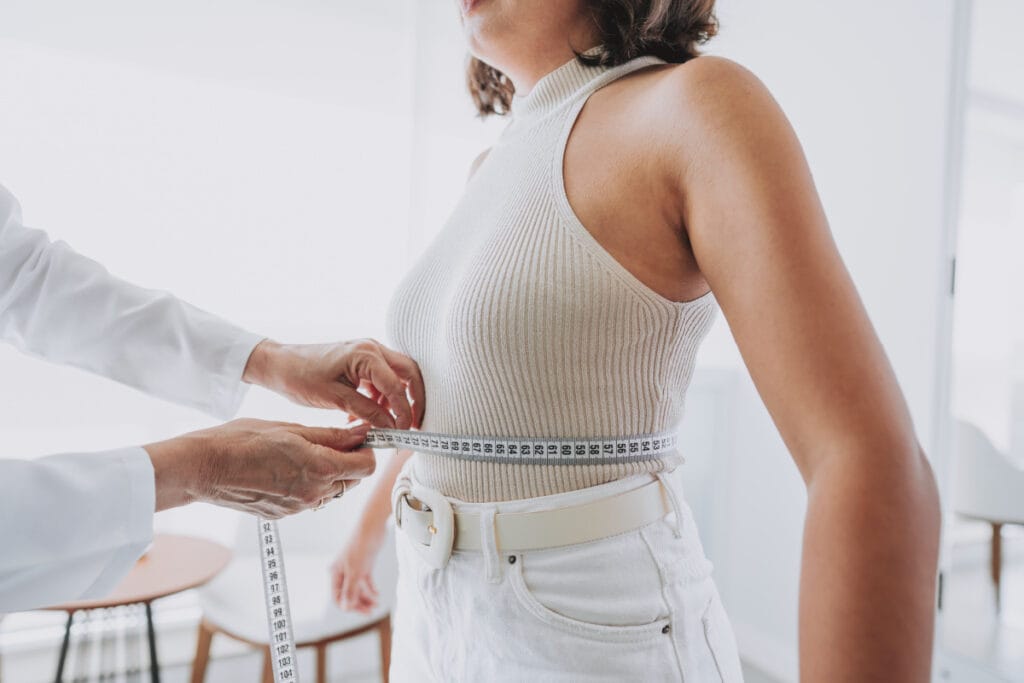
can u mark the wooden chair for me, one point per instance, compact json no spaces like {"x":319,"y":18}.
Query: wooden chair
{"x":988,"y":486}
{"x":207,"y":630}
{"x":233,"y":603}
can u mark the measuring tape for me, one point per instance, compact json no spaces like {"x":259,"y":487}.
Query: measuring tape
{"x":520,"y":451}
{"x":530,"y":450}
{"x":275,"y":595}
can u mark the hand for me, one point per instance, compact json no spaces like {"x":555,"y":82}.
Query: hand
{"x":270,"y":469}
{"x":352,"y":583}
{"x":332,"y":375}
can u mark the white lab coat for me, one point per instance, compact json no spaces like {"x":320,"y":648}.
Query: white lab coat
{"x":72,"y":525}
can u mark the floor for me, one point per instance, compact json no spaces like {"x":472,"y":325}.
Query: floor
{"x":970,"y":625}
{"x":248,"y":669}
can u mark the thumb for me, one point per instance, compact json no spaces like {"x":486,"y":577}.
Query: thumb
{"x":335,"y":438}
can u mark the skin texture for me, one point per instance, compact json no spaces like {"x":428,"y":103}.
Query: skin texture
{"x":270,"y":469}
{"x":692,"y":177}
{"x":333,"y":375}
{"x":275,"y":469}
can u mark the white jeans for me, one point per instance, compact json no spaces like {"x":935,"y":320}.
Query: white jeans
{"x":640,"y":606}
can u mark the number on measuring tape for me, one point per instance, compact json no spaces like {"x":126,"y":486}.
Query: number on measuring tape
{"x":275,"y":594}
{"x":529,"y":451}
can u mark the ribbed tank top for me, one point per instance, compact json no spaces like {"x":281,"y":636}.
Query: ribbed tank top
{"x":523,"y":325}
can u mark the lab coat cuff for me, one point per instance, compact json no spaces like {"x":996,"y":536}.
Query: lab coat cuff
{"x":137,"y":530}
{"x":142,"y":479}
{"x":229,"y":389}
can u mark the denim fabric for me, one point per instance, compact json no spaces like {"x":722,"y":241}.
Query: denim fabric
{"x":639,"y":606}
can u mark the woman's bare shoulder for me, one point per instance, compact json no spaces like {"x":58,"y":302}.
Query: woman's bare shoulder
{"x":712,"y":91}
{"x":710,"y":106}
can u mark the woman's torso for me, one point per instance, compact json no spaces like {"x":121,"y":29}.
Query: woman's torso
{"x":524,"y":325}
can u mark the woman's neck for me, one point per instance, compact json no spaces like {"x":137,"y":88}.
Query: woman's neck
{"x":529,"y":63}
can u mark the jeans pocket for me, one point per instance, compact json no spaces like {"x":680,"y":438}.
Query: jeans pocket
{"x":607,"y":590}
{"x":719,"y":638}
{"x":588,"y":629}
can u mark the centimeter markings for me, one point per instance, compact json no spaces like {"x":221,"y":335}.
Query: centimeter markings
{"x":527,"y":451}
{"x":538,"y":451}
{"x":275,"y":594}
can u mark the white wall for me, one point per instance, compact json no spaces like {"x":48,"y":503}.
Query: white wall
{"x":234,"y":155}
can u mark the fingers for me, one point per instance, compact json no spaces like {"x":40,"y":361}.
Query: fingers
{"x":348,"y":467}
{"x":342,"y":586}
{"x":388,"y":383}
{"x":337,"y":583}
{"x":358,"y":594}
{"x":367,"y":594}
{"x":342,"y":486}
{"x":407,"y":369}
{"x":332,"y":437}
{"x":329,"y":462}
{"x":354,"y":403}
{"x":371,"y":390}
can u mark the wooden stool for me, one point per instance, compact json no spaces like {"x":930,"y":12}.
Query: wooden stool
{"x":208,"y":630}
{"x":173,"y":564}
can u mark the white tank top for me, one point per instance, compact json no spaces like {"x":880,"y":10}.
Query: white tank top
{"x":523,"y":325}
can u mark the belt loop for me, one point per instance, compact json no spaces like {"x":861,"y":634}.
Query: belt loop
{"x":673,"y":499}
{"x":489,"y":545}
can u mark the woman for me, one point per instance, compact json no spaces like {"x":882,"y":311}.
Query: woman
{"x":637,"y":188}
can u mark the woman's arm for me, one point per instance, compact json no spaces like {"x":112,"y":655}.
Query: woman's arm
{"x":352,"y":585}
{"x":761,"y":239}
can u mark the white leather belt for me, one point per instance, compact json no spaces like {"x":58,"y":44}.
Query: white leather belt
{"x":436,"y":530}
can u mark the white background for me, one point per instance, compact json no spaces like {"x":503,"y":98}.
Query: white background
{"x":281,"y":163}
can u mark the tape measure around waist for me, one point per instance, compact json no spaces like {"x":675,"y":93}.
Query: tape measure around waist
{"x":522,"y":451}
{"x":529,"y":450}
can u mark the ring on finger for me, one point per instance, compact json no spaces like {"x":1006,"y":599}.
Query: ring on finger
{"x":344,"y":488}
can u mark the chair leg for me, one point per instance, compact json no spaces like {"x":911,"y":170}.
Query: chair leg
{"x":997,"y":559}
{"x":154,"y":662}
{"x":268,"y":667}
{"x":321,"y":663}
{"x":384,"y":629}
{"x":202,"y":658}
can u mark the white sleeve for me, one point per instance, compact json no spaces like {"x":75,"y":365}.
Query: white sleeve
{"x":71,"y":526}
{"x":66,"y":308}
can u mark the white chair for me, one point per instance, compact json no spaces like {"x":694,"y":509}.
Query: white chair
{"x":233,"y":603}
{"x":988,"y":486}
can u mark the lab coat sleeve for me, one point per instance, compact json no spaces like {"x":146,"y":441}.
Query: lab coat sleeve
{"x":72,"y":525}
{"x":66,"y":308}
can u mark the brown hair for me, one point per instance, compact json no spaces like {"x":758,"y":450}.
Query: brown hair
{"x":668,"y":29}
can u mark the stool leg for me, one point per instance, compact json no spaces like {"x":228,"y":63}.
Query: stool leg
{"x":154,"y":664}
{"x":321,"y":663}
{"x":997,"y":560}
{"x":384,"y":629}
{"x":268,"y":667}
{"x":202,"y":657}
{"x":64,"y":648}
